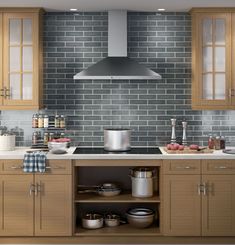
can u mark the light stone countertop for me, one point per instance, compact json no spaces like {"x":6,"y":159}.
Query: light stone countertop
{"x":19,"y":152}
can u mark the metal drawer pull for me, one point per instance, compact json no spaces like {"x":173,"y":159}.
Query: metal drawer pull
{"x":204,"y":185}
{"x":199,"y":189}
{"x":221,"y":167}
{"x":16,"y":167}
{"x":185,"y":167}
{"x":55,"y":167}
{"x":31,"y":189}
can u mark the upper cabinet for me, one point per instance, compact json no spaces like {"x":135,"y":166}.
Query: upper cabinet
{"x":213,"y":53}
{"x":21,"y":57}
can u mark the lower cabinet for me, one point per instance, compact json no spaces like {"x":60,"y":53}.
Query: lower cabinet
{"x":17,"y":206}
{"x":218,"y":205}
{"x":199,"y":204}
{"x":53,"y":205}
{"x":36,"y":204}
{"x":182,"y":205}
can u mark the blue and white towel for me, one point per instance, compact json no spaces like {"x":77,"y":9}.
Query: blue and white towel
{"x":34,"y":162}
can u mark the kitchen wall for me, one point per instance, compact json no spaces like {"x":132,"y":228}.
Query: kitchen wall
{"x":160,"y":41}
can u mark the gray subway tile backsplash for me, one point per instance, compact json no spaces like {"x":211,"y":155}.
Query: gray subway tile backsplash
{"x":162,"y":42}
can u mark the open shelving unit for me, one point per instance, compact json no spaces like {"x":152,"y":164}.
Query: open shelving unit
{"x":93,"y":202}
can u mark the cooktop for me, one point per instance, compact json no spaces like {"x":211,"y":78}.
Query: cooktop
{"x":100,"y":150}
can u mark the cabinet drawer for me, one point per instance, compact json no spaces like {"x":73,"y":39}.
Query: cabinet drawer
{"x":52,"y":167}
{"x":58,"y":167}
{"x":182,"y":166}
{"x":218,"y":166}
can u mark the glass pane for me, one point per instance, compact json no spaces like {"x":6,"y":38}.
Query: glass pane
{"x":27,"y":59}
{"x":219,"y":58}
{"x":220,"y":86}
{"x":207,"y":31}
{"x":15,"y":31}
{"x":207,"y":87}
{"x":14,"y":59}
{"x":27,"y":86}
{"x":27,"y":31}
{"x":15,"y":86}
{"x":207,"y":59}
{"x":219,"y":32}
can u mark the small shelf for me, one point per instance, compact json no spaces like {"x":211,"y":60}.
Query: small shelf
{"x":124,"y":197}
{"x":122,"y":230}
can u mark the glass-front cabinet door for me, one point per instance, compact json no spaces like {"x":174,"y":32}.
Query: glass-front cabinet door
{"x":212,"y":61}
{"x":20,"y":60}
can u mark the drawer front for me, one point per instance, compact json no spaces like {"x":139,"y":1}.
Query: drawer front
{"x":182,"y":166}
{"x":52,"y":167}
{"x":12,"y":166}
{"x":218,"y":166}
{"x":58,"y":167}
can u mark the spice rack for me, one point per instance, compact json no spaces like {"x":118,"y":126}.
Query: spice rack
{"x":47,"y":128}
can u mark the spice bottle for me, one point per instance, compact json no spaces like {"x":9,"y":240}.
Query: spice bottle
{"x":62,"y":135}
{"x":222,"y":142}
{"x":35,"y":121}
{"x":51,"y":137}
{"x":211,"y":143}
{"x":57,"y":121}
{"x":45,"y":138}
{"x":62,"y":121}
{"x":217,"y":143}
{"x":34,"y":138}
{"x":46,"y":121}
{"x":40,"y":121}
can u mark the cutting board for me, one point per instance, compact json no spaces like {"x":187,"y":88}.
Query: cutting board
{"x":188,"y":151}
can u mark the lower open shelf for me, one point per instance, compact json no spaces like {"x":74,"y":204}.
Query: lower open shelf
{"x":122,"y":230}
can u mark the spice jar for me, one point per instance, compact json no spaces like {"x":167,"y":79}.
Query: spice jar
{"x":40,"y":121}
{"x":35,"y":121}
{"x":217,"y":143}
{"x":57,"y":121}
{"x":46,"y":121}
{"x":45,"y":138}
{"x":222,"y":142}
{"x":211,"y":143}
{"x":51,"y":136}
{"x":34,"y":138}
{"x":62,"y":121}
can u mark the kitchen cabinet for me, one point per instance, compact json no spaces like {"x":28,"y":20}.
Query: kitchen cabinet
{"x":35,"y":204}
{"x":16,"y":205}
{"x":213,"y":53}
{"x":21,"y":57}
{"x":200,"y":204}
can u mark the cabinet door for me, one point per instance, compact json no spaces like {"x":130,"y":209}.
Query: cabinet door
{"x":218,"y":206}
{"x":1,"y":70}
{"x":233,"y":60}
{"x":21,"y":47}
{"x":182,"y":205}
{"x":53,"y":205}
{"x":17,"y":212}
{"x":211,"y":67}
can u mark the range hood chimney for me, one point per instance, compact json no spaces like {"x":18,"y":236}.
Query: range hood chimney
{"x":117,"y":65}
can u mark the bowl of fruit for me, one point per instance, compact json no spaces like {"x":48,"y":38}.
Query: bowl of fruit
{"x":59,"y":146}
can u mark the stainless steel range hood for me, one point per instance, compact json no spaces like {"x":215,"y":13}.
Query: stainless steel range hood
{"x":117,"y":65}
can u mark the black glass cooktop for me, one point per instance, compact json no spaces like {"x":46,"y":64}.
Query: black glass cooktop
{"x":154,"y":150}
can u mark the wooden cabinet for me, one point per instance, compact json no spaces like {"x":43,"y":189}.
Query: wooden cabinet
{"x":213,"y":53}
{"x":35,"y":204}
{"x":200,"y":204}
{"x":16,"y":204}
{"x":21,"y":57}
{"x":53,"y":204}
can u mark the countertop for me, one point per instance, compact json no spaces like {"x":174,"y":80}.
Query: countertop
{"x":19,"y":152}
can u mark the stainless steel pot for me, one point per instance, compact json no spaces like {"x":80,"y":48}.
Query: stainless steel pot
{"x":117,"y":139}
{"x":112,"y":220}
{"x":142,"y":172}
{"x":92,"y":221}
{"x":140,"y":217}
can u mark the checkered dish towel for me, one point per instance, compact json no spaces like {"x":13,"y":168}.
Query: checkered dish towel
{"x":34,"y":162}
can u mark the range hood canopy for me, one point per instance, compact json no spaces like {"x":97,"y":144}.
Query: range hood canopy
{"x":117,"y":65}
